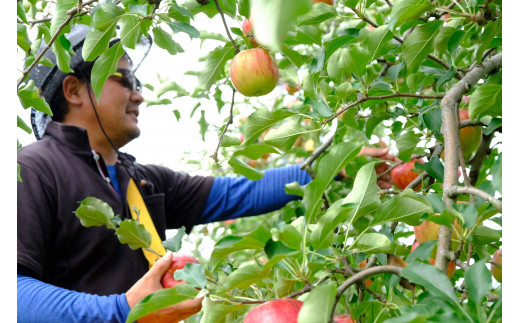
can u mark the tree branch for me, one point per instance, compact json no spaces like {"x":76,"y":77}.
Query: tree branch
{"x":480,"y":156}
{"x":237,"y":50}
{"x":454,"y":191}
{"x":451,"y":133}
{"x":230,"y":121}
{"x":360,"y":277}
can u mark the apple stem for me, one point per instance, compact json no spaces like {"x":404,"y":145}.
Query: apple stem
{"x":237,"y":50}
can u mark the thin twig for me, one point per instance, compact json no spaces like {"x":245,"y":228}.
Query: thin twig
{"x":230,"y":121}
{"x":237,"y":50}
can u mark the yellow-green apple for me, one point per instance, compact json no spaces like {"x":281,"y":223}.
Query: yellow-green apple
{"x":178,"y":262}
{"x":496,"y":270}
{"x":404,"y":174}
{"x":254,"y":72}
{"x":281,"y":310}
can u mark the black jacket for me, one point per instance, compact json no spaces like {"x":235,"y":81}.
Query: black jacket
{"x":60,"y":170}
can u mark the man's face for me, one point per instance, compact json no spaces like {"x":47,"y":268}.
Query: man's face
{"x":119,"y":106}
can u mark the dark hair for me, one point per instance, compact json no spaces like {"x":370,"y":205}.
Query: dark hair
{"x":58,"y":102}
{"x":83,"y":72}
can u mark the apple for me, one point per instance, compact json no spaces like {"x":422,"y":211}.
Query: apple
{"x":254,"y":72}
{"x":281,"y":310}
{"x":178,"y":262}
{"x":247,"y":30}
{"x":429,"y":230}
{"x":344,"y":318}
{"x":469,"y":137}
{"x":451,"y":265}
{"x":290,"y":88}
{"x":496,"y":271}
{"x":403,"y":174}
{"x":309,"y":145}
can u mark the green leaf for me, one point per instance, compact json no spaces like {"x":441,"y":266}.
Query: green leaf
{"x":408,"y":207}
{"x":22,"y":125}
{"x":22,"y":37}
{"x":448,"y":76}
{"x":179,"y":26}
{"x":290,"y":236}
{"x":165,"y":41}
{"x":133,"y":234}
{"x":20,"y":12}
{"x":407,"y":10}
{"x":478,"y":281}
{"x":214,"y":65}
{"x":60,"y":14}
{"x":242,"y":168}
{"x":255,"y":239}
{"x":106,"y":16}
{"x":490,"y":32}
{"x":376,"y":42}
{"x":274,"y":18}
{"x":61,"y":47}
{"x":434,"y":167}
{"x":244,"y":277}
{"x":339,"y":156}
{"x":364,"y":196}
{"x":319,"y":13}
{"x":277,"y":251}
{"x":286,"y":135}
{"x":319,"y":106}
{"x":129,"y":30}
{"x":255,"y":151}
{"x":174,"y":243}
{"x":260,"y":121}
{"x":29,"y":96}
{"x":183,"y":11}
{"x":406,"y":144}
{"x":445,"y":33}
{"x":372,"y":243}
{"x":483,"y":235}
{"x":94,"y":212}
{"x":217,"y":312}
{"x":419,"y":44}
{"x":294,"y":188}
{"x":486,"y":100}
{"x":337,"y":43}
{"x":432,"y":279}
{"x":335,"y":214}
{"x":228,"y":141}
{"x":193,"y":274}
{"x":422,"y":252}
{"x":294,"y":56}
{"x":105,"y":66}
{"x":96,"y":43}
{"x":317,"y":306}
{"x":160,"y":299}
{"x":18,"y":177}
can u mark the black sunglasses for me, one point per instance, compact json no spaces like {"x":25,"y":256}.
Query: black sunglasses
{"x":128,"y":79}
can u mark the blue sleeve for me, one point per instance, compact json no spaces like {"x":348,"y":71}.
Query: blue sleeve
{"x":234,"y":197}
{"x":41,"y":302}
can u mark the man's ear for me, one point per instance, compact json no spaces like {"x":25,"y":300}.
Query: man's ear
{"x":72,"y":89}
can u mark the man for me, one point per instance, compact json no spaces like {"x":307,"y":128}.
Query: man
{"x":70,"y":273}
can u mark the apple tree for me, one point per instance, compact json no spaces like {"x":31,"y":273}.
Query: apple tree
{"x":411,"y":238}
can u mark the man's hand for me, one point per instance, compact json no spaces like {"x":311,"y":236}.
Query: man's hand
{"x":385,"y":182}
{"x":150,"y":283}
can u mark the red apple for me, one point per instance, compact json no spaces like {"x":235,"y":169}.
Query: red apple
{"x":469,"y":137}
{"x":254,"y":72}
{"x":248,"y":31}
{"x":451,"y":265}
{"x":428,"y":230}
{"x":278,"y":311}
{"x":403,"y":174}
{"x":178,"y":262}
{"x":344,"y":318}
{"x":496,"y":271}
